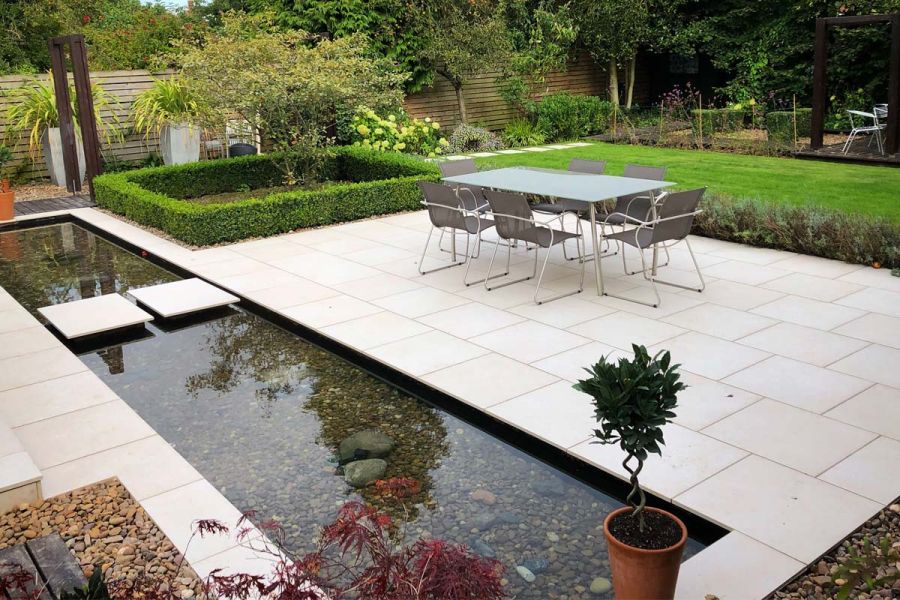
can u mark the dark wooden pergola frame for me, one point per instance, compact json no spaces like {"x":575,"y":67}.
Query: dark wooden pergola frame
{"x":84,"y":100}
{"x":892,"y":137}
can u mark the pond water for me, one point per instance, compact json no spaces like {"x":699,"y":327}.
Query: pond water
{"x":261,"y":413}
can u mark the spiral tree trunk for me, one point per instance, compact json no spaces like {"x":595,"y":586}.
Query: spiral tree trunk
{"x":636,"y":491}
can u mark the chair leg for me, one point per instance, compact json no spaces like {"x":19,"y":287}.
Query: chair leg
{"x":488,"y":275}
{"x":455,"y":263}
{"x":578,"y":244}
{"x":693,"y":288}
{"x":506,"y":283}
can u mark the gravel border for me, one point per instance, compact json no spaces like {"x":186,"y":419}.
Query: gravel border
{"x":102,"y":524}
{"x":817,"y":583}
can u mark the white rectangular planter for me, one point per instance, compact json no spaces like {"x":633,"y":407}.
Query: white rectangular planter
{"x":179,"y":143}
{"x":52,"y":145}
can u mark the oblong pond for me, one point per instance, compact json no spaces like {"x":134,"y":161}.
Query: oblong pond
{"x":261,"y":413}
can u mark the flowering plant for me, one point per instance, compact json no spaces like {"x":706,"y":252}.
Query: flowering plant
{"x":397,"y":132}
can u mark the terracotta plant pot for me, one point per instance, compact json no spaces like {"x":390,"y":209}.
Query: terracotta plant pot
{"x":7,"y":199}
{"x":639,"y":574}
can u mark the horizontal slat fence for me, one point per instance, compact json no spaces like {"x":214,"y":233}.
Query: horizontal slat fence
{"x":483,"y":103}
{"x":123,"y":86}
{"x":486,"y":108}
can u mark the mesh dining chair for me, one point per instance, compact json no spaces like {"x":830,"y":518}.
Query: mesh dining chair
{"x":448,"y":213}
{"x":514,"y":220}
{"x":472,"y":196}
{"x":564,"y":206}
{"x":671,"y":225}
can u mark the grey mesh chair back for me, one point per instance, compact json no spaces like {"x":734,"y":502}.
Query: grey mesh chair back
{"x":676,"y":215}
{"x":505,"y":205}
{"x":594,"y":167}
{"x":443,"y":205}
{"x":472,"y":196}
{"x":642,"y":172}
{"x":638,"y":205}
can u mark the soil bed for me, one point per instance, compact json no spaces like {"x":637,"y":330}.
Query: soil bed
{"x":103,"y":525}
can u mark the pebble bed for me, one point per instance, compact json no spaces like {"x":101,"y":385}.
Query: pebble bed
{"x":817,"y":582}
{"x":104,"y":526}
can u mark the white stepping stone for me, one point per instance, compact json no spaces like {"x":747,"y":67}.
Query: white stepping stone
{"x":94,"y":315}
{"x":510,"y":151}
{"x":579,"y":144}
{"x":456,"y":157}
{"x":484,"y":154}
{"x":182,"y":297}
{"x":558,"y":146}
{"x":536,"y":149}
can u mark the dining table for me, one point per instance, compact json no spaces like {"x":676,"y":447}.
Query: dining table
{"x":587,"y":188}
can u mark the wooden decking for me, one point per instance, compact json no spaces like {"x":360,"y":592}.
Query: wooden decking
{"x":33,"y":207}
{"x":860,"y":152}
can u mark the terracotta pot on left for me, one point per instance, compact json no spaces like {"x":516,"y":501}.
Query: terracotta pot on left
{"x":7,"y":199}
{"x":639,"y":574}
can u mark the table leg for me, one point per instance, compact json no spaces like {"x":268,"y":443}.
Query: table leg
{"x":596,"y":244}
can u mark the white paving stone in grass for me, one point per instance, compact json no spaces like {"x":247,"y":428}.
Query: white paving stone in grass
{"x":489,"y":379}
{"x":374,"y":330}
{"x":427,"y":352}
{"x":456,"y":157}
{"x":813,"y":346}
{"x":876,"y":409}
{"x":556,"y":414}
{"x":510,"y":151}
{"x":722,"y":570}
{"x":706,"y":401}
{"x":873,"y":327}
{"x":874,"y":363}
{"x":794,"y":513}
{"x":558,"y":146}
{"x":529,"y":341}
{"x":790,"y":436}
{"x":483,"y":154}
{"x":94,"y":315}
{"x":872,"y":471}
{"x":536,"y":149}
{"x":687,"y":459}
{"x":183,"y":297}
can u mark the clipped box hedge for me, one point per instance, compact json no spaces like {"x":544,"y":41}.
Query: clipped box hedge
{"x":716,"y":120}
{"x":780,"y":125}
{"x":381,"y":183}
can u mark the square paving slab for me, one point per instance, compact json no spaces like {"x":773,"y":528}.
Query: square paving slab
{"x":94,"y":315}
{"x":182,"y":297}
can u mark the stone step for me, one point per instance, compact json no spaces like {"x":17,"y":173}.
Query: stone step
{"x":20,"y":479}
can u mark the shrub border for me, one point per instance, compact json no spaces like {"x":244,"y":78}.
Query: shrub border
{"x":384,"y":183}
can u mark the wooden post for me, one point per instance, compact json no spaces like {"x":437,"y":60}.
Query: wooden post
{"x":892,"y":141}
{"x":700,"y":120}
{"x":796,"y":139}
{"x":817,"y":132}
{"x":64,"y":108}
{"x":86,"y":117}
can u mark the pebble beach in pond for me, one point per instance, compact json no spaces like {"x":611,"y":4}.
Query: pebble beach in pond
{"x":293,"y":432}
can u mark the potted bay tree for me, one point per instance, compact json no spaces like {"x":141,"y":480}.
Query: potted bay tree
{"x":633,"y":399}
{"x":171,"y":110}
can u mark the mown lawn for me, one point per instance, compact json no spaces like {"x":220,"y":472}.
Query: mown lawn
{"x":870,"y":190}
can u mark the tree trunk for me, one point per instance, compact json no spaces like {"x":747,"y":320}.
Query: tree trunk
{"x":460,"y":101}
{"x":613,"y":82}
{"x":629,"y":81}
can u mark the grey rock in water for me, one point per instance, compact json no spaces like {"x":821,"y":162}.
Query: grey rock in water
{"x":484,"y":521}
{"x":369,"y":443}
{"x":536,"y":565}
{"x":526,"y":574}
{"x":361,"y":473}
{"x":482,"y":548}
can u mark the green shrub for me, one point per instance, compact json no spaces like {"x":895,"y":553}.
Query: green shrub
{"x":468,"y":138}
{"x":383,"y":182}
{"x":565,"y":116}
{"x":803,"y":229}
{"x":717,"y":120}
{"x":780,"y":125}
{"x":522,"y":132}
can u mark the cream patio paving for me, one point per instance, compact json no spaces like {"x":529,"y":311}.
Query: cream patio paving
{"x":787,"y":501}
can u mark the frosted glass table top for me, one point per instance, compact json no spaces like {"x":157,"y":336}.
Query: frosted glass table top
{"x":570,"y":185}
